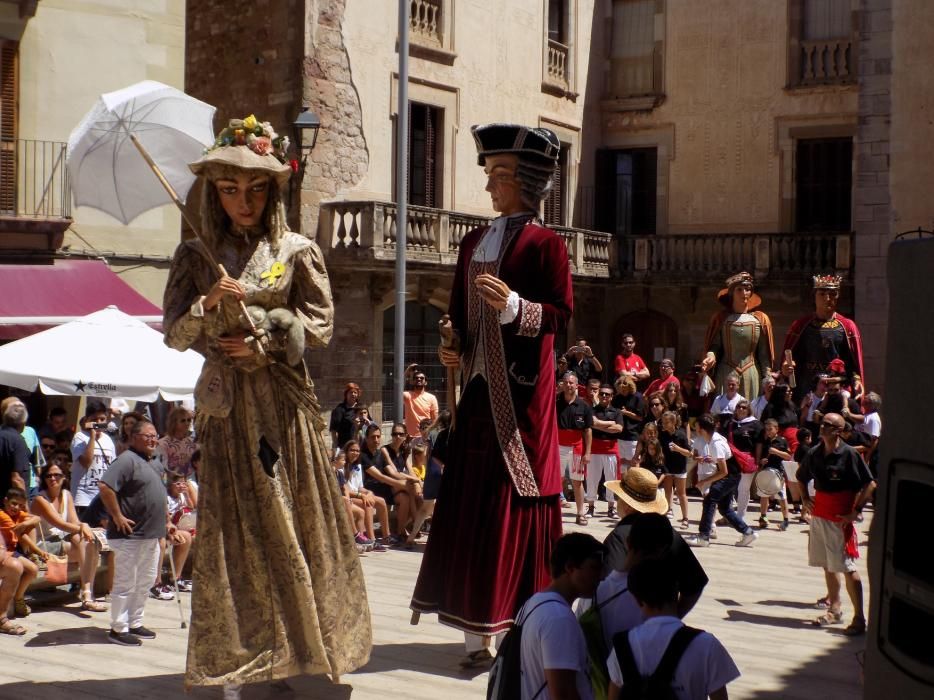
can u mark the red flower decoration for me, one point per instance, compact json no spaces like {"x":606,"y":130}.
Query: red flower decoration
{"x":294,"y":165}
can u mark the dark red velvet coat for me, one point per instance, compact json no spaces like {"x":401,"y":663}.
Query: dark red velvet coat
{"x":519,"y":360}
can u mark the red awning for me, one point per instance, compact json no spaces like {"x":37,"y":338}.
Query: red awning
{"x":36,"y":297}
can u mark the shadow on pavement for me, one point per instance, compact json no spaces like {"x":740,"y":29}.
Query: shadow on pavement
{"x":436,"y":659}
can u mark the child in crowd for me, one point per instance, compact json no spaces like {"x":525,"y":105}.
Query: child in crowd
{"x":360,"y":515}
{"x":15,"y":525}
{"x":776,"y":452}
{"x":805,"y":438}
{"x":420,"y":468}
{"x":353,"y":485}
{"x":704,"y":668}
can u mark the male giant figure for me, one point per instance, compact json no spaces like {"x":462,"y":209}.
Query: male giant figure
{"x":498,"y":514}
{"x":819,"y":338}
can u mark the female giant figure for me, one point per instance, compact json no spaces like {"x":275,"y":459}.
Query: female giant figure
{"x":278,"y":586}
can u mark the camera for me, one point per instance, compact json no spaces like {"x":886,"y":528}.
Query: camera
{"x":98,"y":426}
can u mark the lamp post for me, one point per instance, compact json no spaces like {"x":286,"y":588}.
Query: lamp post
{"x":305,"y":135}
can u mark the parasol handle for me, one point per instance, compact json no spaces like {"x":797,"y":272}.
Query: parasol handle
{"x":181,"y":207}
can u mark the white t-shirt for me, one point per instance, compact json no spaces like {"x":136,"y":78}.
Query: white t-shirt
{"x":704,"y":667}
{"x":618,"y":609}
{"x":717,"y":448}
{"x":724,"y":404}
{"x":84,"y":481}
{"x":355,"y":480}
{"x":757,"y":406}
{"x":553,"y":639}
{"x":871,"y":425}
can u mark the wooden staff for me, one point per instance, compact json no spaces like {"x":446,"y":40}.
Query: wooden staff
{"x":446,"y":330}
{"x":792,"y":381}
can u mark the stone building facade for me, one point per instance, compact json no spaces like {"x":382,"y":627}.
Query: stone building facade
{"x":744,"y":134}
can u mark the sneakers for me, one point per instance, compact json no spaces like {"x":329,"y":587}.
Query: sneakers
{"x":591,"y":510}
{"x":783,"y":526}
{"x":161,"y":593}
{"x":713,"y":533}
{"x":763,"y":522}
{"x":378,"y":547}
{"x":610,"y":512}
{"x":747,"y":539}
{"x":124,"y":638}
{"x":361,"y":538}
{"x":697,"y":541}
{"x":184,"y":585}
{"x":142,"y":632}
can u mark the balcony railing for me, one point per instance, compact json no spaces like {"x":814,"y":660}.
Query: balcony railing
{"x":780,"y":255}
{"x":827,"y":62}
{"x":34,"y":181}
{"x":434,"y":235}
{"x":425,"y":21}
{"x":557,"y":63}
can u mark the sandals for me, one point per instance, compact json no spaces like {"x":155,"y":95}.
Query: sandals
{"x":581,"y":519}
{"x":685,"y":523}
{"x":828,"y":618}
{"x":88,"y":603}
{"x":856,"y":628}
{"x":20,"y":608}
{"x":481,"y":657}
{"x":822,"y":603}
{"x":7,"y":626}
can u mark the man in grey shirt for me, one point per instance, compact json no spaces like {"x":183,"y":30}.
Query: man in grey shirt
{"x":133,"y":493}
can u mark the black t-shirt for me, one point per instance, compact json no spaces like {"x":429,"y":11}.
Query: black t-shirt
{"x":369,"y":459}
{"x":747,"y":434}
{"x":691,"y":576}
{"x":608,"y":414}
{"x":14,"y":457}
{"x":784,"y":413}
{"x":342,"y":423}
{"x":840,"y":470}
{"x":834,"y":403}
{"x":577,"y":415}
{"x":675,"y":463}
{"x":583,"y":368}
{"x":774,"y":461}
{"x":631,"y":426}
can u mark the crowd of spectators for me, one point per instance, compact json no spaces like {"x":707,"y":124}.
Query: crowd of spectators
{"x":53,"y":516}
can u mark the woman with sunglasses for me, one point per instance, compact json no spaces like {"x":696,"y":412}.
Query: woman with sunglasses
{"x":745,"y":434}
{"x":177,"y":445}
{"x":393,"y":456}
{"x":61,"y":533}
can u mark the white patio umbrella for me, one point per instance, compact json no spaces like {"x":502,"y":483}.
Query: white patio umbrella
{"x":104,"y":163}
{"x":106,"y":354}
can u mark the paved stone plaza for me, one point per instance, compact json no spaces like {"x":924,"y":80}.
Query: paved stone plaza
{"x":758,"y":602}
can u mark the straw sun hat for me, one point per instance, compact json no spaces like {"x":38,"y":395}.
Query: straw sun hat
{"x":248,"y":144}
{"x":639,"y":490}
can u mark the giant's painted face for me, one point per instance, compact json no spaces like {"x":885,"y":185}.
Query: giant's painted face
{"x":501,"y":182}
{"x":243,"y":197}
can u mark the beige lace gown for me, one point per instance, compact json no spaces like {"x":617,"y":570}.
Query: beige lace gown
{"x":278,"y":585}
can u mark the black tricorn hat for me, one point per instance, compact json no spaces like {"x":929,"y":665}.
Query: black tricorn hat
{"x":528,"y":142}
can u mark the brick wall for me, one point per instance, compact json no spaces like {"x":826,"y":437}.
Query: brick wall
{"x":871,"y":193}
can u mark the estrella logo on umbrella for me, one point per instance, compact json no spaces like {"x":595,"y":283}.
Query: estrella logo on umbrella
{"x":95,"y":388}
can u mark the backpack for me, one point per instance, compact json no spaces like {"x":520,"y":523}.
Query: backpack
{"x":505,"y":681}
{"x":597,"y":653}
{"x":658,"y":685}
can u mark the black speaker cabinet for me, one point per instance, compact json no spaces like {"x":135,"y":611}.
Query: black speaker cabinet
{"x":900,"y":643}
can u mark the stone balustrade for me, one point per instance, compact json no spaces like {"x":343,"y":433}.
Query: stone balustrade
{"x":827,"y":61}
{"x":349,"y":228}
{"x":425,"y":21}
{"x":557,"y":63}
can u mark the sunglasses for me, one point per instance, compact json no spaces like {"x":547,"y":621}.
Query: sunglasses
{"x":655,"y":403}
{"x":185,"y":420}
{"x":55,"y":476}
{"x":605,"y":393}
{"x":398,"y":434}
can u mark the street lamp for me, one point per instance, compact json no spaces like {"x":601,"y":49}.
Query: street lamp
{"x":306,"y":127}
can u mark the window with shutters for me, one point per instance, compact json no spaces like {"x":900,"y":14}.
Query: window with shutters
{"x":625,"y":197}
{"x":9,"y":96}
{"x":558,"y":68}
{"x":822,"y":42}
{"x":555,"y":206}
{"x":823,"y":184}
{"x":425,"y":158}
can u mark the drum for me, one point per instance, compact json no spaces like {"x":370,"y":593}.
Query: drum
{"x":768,"y":482}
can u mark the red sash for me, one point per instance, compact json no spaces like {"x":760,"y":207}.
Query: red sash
{"x":571,"y":438}
{"x":604,"y":447}
{"x":830,"y":506}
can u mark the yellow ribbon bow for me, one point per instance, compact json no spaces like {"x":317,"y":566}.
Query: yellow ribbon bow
{"x":272,"y":275}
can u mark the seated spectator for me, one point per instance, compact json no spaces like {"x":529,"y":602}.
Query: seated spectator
{"x":420,"y":467}
{"x":353,"y":478}
{"x":666,"y":376}
{"x":704,"y":668}
{"x":15,"y":525}
{"x":127,"y":421}
{"x":384,"y":480}
{"x":177,"y":445}
{"x":393,"y":460}
{"x":177,"y":537}
{"x":62,"y":534}
{"x":553,"y":655}
{"x":11,"y":571}
{"x":182,"y":500}
{"x":724,"y":404}
{"x":359,"y":514}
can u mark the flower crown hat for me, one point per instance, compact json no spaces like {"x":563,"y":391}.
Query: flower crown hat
{"x":248,"y":144}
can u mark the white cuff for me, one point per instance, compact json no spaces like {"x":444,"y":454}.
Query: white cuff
{"x":197,"y":309}
{"x":508,"y":315}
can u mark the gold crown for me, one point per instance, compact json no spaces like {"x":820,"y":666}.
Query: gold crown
{"x":827,"y":281}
